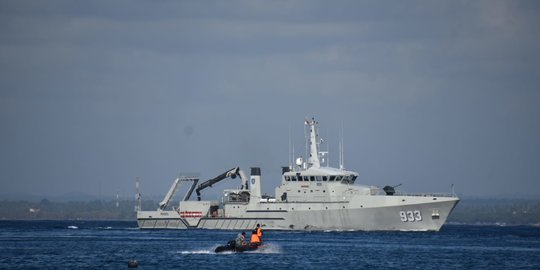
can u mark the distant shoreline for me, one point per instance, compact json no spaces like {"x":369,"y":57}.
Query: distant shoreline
{"x":479,"y":224}
{"x":477,"y":212}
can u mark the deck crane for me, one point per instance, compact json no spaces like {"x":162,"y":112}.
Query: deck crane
{"x":232,"y":173}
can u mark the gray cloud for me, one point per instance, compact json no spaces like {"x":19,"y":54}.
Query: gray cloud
{"x":94,"y":94}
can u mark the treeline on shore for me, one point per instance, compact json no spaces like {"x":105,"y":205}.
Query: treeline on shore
{"x":468,"y":211}
{"x":497,"y":211}
{"x":86,"y":210}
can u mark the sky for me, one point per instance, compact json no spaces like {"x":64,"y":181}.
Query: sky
{"x":94,"y":94}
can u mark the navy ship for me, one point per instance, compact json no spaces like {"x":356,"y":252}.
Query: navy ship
{"x":310,"y":197}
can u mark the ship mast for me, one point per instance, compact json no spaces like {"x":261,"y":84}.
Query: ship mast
{"x":313,"y":142}
{"x":138,"y":196}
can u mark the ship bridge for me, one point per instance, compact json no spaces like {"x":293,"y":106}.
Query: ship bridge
{"x":324,"y":174}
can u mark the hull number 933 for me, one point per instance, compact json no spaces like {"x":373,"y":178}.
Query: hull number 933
{"x":410,"y":216}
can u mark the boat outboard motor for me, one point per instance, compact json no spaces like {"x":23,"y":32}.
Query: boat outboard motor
{"x":389,"y":190}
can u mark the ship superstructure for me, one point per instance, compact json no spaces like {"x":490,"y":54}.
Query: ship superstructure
{"x":310,"y":197}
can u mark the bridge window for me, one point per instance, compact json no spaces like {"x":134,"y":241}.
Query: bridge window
{"x":318,"y":177}
{"x":306,"y":178}
{"x":352,"y":179}
{"x":325,"y":178}
{"x":332,"y":177}
{"x":293,"y":178}
{"x":338,"y":178}
{"x":287,"y":178}
{"x":312,"y":178}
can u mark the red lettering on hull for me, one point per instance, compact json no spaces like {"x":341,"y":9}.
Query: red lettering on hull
{"x":190,"y":214}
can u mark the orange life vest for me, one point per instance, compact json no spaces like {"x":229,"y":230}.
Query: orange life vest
{"x":259,"y":232}
{"x":255,"y":238}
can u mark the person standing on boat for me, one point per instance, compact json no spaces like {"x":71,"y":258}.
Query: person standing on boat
{"x":255,"y":240}
{"x":259,"y":232}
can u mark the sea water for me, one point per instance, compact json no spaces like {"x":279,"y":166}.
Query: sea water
{"x":112,"y":244}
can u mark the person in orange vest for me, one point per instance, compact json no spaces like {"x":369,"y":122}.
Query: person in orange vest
{"x":259,"y":232}
{"x":255,"y":240}
{"x":256,"y":236}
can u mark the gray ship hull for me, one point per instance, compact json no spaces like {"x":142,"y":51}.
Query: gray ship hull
{"x":418,"y":214}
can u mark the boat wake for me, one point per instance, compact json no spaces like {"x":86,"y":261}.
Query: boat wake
{"x":196,"y":252}
{"x":199,"y":251}
{"x":270,"y":248}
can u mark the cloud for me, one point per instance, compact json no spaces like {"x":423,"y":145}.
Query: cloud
{"x":141,"y":89}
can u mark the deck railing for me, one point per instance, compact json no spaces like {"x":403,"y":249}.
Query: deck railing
{"x":402,"y":193}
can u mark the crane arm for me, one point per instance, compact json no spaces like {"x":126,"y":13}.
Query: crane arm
{"x":232,"y":173}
